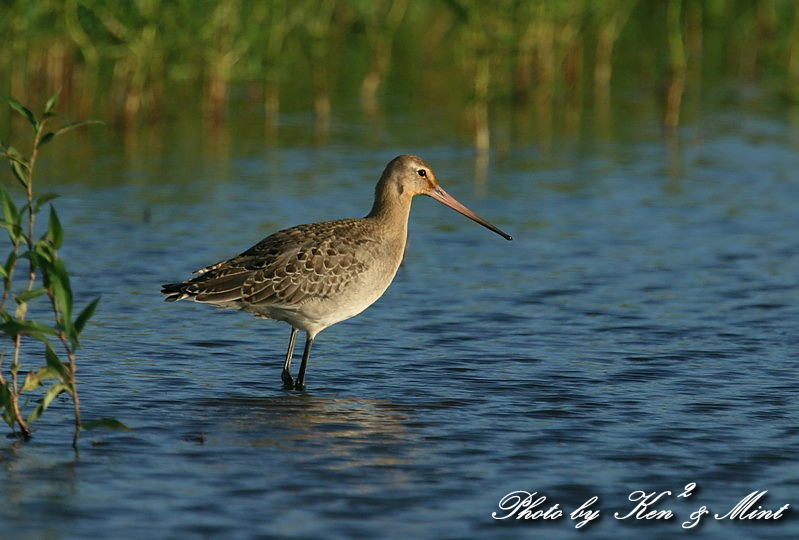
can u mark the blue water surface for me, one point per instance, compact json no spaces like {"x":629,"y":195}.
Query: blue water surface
{"x":638,"y":334}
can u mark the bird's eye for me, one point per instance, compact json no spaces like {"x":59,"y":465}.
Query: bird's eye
{"x":422,"y":173}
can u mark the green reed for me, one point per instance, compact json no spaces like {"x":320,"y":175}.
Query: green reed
{"x":133,"y":61}
{"x":46,"y":278}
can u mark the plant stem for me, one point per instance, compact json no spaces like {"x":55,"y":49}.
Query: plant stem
{"x":73,"y":386}
{"x":29,"y":193}
{"x":15,"y":389}
{"x":22,"y":308}
{"x":45,"y":265}
{"x":10,"y":277}
{"x":31,"y":279}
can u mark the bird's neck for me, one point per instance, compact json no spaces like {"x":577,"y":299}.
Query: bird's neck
{"x":391,"y":211}
{"x":389,"y":223}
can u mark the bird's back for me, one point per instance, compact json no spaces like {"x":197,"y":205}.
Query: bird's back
{"x":333,"y":266}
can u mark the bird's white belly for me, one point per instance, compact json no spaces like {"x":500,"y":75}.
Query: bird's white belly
{"x":316,"y":314}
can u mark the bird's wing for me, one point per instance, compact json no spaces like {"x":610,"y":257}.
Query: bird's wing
{"x":284,"y":269}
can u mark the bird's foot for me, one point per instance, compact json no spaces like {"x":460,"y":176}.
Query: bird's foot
{"x":299,"y":386}
{"x":288,"y":382}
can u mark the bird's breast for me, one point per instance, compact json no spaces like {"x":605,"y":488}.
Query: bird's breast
{"x":348,"y":278}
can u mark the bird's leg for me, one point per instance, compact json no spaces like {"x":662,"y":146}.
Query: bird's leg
{"x":300,"y":383}
{"x":288,"y":382}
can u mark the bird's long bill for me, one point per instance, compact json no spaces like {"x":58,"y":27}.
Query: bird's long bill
{"x":446,"y":199}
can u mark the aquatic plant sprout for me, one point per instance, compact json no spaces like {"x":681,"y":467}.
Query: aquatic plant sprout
{"x":46,"y":278}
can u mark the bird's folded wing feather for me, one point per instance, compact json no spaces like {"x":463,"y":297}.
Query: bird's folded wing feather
{"x":285,"y":269}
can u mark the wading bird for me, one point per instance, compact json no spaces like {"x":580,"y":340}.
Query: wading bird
{"x":313,"y":276}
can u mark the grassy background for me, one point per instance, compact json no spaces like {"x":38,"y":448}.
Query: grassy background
{"x":140,"y":62}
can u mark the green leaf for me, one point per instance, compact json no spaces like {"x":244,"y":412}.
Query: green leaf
{"x":47,"y":372}
{"x":34,"y":379}
{"x":11,"y":260}
{"x":24,"y":111}
{"x":26,"y":296}
{"x":46,"y":138}
{"x":10,"y":212}
{"x":85,"y":315}
{"x":42,"y":200}
{"x":49,"y":396}
{"x":73,"y":125}
{"x":15,"y":327}
{"x":31,"y":382}
{"x":55,"y":276}
{"x":55,"y":364}
{"x":13,"y":153}
{"x":8,"y":417}
{"x":14,"y":232}
{"x":6,"y":405}
{"x":19,"y":173}
{"x":49,"y":107}
{"x":62,"y":290}
{"x":21,"y":310}
{"x":42,"y":253}
{"x":106,"y":423}
{"x":19,"y":165}
{"x":54,"y":229}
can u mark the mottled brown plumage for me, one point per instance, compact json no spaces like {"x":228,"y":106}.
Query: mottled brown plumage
{"x":315,"y":275}
{"x":284,"y":269}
